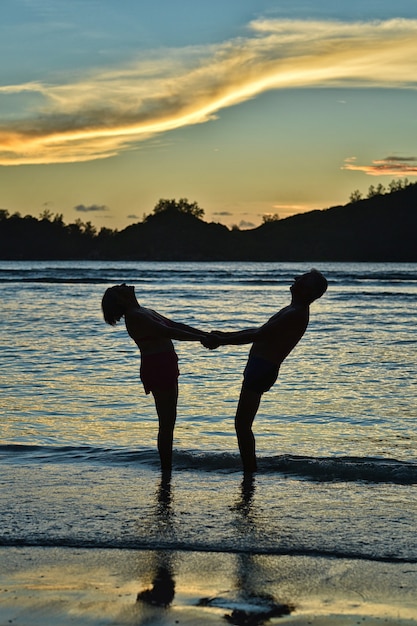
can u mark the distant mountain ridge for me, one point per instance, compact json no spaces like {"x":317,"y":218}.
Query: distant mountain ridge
{"x":380,"y":228}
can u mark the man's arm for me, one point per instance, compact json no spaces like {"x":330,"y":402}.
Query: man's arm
{"x":281,"y":322}
{"x":238,"y":337}
{"x":235,"y":338}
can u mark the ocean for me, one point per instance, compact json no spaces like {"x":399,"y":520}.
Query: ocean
{"x":336,"y":435}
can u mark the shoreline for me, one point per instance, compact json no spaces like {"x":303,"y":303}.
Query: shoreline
{"x":101,"y":587}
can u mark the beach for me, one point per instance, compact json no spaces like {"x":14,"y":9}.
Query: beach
{"x":92,"y":533}
{"x":62,"y":586}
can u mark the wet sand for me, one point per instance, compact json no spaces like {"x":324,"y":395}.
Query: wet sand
{"x":102,"y":587}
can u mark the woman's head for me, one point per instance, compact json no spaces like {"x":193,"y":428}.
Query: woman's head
{"x":115,"y":302}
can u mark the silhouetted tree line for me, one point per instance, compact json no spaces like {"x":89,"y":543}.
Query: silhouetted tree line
{"x":381,"y":227}
{"x":379,"y":190}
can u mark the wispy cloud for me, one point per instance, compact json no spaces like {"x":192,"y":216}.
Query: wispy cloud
{"x":104,"y":113}
{"x":244,"y":224}
{"x":92,"y":208}
{"x":390,"y":166}
{"x":285,"y":210}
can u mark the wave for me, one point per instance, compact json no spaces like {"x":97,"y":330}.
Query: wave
{"x":17,"y":453}
{"x":178,"y":546}
{"x":322,"y":469}
{"x":237,"y":273}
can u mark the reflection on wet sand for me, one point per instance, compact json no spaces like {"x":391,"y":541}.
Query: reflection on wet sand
{"x":248,"y":605}
{"x":162,"y":591}
{"x":245,"y":603}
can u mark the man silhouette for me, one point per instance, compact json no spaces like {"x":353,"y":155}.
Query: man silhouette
{"x":271,"y":344}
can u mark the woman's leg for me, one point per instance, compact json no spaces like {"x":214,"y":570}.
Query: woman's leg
{"x":166,"y":408}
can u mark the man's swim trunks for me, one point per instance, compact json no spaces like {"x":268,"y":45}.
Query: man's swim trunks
{"x":259,"y":374}
{"x":159,"y":370}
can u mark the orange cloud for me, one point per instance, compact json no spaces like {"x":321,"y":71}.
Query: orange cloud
{"x":104,"y":113}
{"x":390,"y":166}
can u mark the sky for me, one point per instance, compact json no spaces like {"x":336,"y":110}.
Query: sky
{"x":251,"y":108}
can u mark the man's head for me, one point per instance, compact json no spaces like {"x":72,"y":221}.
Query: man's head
{"x":309,"y":287}
{"x":115,"y":302}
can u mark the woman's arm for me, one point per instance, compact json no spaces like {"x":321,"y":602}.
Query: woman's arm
{"x":179,"y":326}
{"x":176,"y":332}
{"x":147,"y":323}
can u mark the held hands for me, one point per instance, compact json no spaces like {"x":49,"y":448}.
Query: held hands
{"x":212,"y":340}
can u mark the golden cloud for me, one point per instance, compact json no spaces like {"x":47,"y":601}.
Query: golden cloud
{"x":105,"y":113}
{"x":390,"y":166}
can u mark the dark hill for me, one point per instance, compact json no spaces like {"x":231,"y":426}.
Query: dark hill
{"x":380,"y":228}
{"x":171,"y":236}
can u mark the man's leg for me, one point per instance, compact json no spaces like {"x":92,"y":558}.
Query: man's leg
{"x":166,"y":408}
{"x":246,"y":410}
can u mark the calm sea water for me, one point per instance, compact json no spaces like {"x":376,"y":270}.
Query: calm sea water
{"x":336,"y":436}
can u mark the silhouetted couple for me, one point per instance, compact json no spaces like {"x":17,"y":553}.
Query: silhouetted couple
{"x":271,"y":343}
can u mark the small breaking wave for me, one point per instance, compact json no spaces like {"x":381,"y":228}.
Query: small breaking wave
{"x":323,"y":469}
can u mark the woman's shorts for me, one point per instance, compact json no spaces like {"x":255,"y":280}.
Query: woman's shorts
{"x":159,"y":370}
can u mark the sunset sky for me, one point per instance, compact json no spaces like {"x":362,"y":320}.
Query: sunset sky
{"x":248,"y":107}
